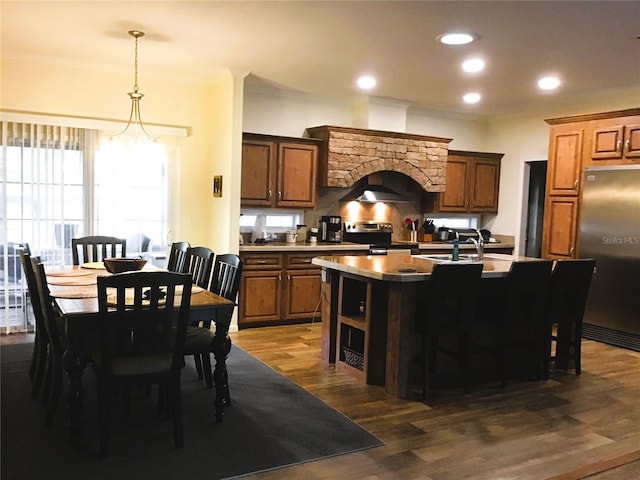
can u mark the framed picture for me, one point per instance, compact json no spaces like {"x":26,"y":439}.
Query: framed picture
{"x":217,"y":186}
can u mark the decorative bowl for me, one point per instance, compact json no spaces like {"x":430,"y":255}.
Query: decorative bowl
{"x":120,"y":265}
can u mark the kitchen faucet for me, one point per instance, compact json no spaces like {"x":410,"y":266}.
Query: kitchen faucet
{"x":479,"y":244}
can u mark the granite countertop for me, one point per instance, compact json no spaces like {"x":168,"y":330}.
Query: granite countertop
{"x":406,"y":268}
{"x":348,"y":246}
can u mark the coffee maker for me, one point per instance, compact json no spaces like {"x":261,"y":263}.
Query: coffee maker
{"x":330,"y":228}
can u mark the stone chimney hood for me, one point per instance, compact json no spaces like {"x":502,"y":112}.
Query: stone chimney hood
{"x":349,"y":154}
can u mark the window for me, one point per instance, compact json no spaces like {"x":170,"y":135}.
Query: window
{"x":276,"y":222}
{"x":55,"y":188}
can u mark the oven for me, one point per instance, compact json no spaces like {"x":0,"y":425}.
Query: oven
{"x":378,"y":236}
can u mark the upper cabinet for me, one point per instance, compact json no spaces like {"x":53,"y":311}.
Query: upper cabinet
{"x":473,"y":180}
{"x":610,"y":138}
{"x":279,"y":171}
{"x":615,"y":141}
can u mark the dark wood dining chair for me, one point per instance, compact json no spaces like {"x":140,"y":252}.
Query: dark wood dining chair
{"x":56,"y":339}
{"x":41,"y":341}
{"x":177,"y":256}
{"x":225,"y":282}
{"x":199,"y":263}
{"x":448,"y":308}
{"x":142,"y":333}
{"x":97,"y":248}
{"x":568,"y":292}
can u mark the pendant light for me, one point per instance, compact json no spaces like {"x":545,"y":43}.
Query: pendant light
{"x":134,"y":132}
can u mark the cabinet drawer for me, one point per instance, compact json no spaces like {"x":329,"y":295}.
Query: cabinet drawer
{"x":262,"y":262}
{"x":300,"y":260}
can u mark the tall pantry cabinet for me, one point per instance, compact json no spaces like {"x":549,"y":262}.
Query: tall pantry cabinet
{"x":610,"y":138}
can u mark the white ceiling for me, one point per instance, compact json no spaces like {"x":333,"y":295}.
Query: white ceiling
{"x":320,"y":47}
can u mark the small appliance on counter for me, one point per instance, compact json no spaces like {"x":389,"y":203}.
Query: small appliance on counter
{"x":377,"y":235}
{"x":330,"y":228}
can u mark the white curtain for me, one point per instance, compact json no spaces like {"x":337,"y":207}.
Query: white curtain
{"x":42,"y":195}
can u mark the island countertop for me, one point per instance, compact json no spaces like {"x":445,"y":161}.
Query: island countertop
{"x":407,"y":268}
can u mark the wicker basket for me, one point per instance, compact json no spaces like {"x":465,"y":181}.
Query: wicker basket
{"x":353,"y":358}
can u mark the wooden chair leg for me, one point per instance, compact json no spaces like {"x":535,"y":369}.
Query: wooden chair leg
{"x":206,"y":369}
{"x":54,"y":395}
{"x":176,"y":402}
{"x":198,"y":361}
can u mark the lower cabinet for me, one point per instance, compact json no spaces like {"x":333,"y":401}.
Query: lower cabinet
{"x":278,"y":288}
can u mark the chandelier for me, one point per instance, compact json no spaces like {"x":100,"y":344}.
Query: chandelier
{"x":134,"y":133}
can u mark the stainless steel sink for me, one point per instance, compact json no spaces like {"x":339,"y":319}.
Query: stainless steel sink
{"x":447,"y":258}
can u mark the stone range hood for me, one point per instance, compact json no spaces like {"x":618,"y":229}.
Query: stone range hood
{"x":349,"y":154}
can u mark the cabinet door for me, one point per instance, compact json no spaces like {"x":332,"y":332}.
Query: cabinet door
{"x":565,"y":160}
{"x":607,"y":142}
{"x":454,"y":198}
{"x":632,"y":142}
{"x":260,"y":297}
{"x":484,"y":185}
{"x":302,"y":294}
{"x":297,"y":165}
{"x":560,"y":227}
{"x":614,"y":141}
{"x":258,"y":172}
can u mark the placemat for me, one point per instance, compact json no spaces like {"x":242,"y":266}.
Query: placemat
{"x":112,"y":300}
{"x":75,"y":281}
{"x":76,"y":272}
{"x":76,"y":292}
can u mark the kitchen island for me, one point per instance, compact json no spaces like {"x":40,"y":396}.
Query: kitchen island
{"x":369,"y":308}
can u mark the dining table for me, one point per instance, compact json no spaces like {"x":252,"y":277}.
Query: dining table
{"x":75,"y":293}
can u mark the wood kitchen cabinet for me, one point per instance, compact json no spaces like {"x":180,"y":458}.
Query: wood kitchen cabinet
{"x":473,"y":181}
{"x":279,"y":171}
{"x":609,"y":138}
{"x":615,"y":141}
{"x":278,"y":289}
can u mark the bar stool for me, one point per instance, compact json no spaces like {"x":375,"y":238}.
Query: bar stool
{"x":449,"y":305}
{"x":568,"y":292}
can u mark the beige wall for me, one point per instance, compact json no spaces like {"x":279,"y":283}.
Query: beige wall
{"x":210,"y":112}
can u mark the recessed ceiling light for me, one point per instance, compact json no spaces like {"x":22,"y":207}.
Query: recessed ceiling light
{"x":457,"y":38}
{"x":471,"y":97}
{"x":473,"y":65}
{"x":548,"y":83}
{"x":366,"y":82}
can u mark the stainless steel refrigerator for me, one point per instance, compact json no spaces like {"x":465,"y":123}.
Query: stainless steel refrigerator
{"x":610,"y":233}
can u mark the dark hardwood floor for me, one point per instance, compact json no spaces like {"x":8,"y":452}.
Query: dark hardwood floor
{"x":566,"y":428}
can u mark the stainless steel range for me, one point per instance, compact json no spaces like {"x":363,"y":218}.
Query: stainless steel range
{"x":378,"y":235}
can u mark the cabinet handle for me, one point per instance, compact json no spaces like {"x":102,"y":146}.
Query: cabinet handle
{"x":288,"y":278}
{"x":261,"y":262}
{"x":279,"y":195}
{"x":627,"y":146}
{"x":619,"y":146}
{"x":306,"y":260}
{"x":576,"y":183}
{"x":269,"y":193}
{"x":571,"y":250}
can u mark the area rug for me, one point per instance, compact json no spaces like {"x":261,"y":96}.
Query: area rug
{"x":272,"y":423}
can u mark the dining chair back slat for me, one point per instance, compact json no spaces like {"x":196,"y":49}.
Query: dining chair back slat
{"x":199,"y":263}
{"x":177,"y":256}
{"x":96,"y":248}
